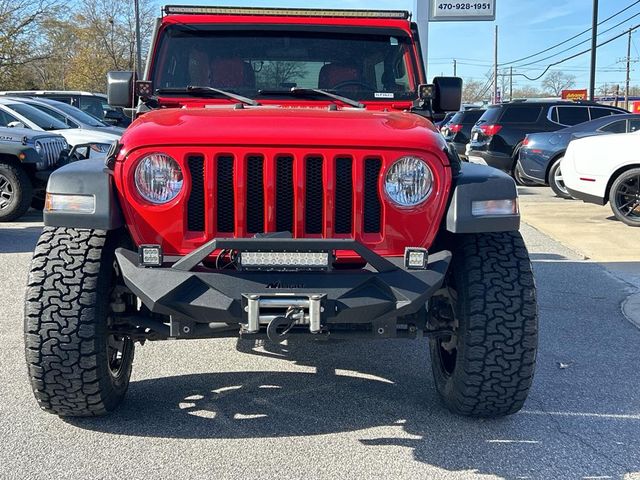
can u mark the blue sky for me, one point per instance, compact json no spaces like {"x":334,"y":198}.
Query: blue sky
{"x":526,"y":27}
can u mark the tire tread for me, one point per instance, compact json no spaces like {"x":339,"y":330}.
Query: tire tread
{"x":64,"y":323}
{"x":498,"y":330}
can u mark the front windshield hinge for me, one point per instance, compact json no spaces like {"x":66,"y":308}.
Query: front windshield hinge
{"x":423,"y":108}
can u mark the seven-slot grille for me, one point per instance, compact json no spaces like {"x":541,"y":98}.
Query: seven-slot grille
{"x":51,"y":149}
{"x":308,"y":195}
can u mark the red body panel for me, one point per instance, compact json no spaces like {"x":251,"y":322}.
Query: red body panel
{"x":298,"y":129}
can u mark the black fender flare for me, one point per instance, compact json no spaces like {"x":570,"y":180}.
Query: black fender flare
{"x":480,"y":183}
{"x":91,"y":178}
{"x":22,"y":153}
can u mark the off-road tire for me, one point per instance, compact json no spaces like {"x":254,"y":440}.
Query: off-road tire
{"x":553,"y":181}
{"x":627,"y":184}
{"x":66,"y":312}
{"x":21,"y":191}
{"x":493,"y":299}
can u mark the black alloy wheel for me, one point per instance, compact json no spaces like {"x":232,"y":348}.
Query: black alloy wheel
{"x":625,"y":197}
{"x":6,"y":192}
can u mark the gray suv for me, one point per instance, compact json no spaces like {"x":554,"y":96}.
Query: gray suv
{"x":27,"y":158}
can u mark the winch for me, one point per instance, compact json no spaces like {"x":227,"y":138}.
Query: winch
{"x":281,"y":312}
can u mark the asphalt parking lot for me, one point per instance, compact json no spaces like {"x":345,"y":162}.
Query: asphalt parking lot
{"x":230,"y":409}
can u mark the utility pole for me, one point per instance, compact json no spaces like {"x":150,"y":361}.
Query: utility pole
{"x":510,"y":84}
{"x":136,"y":7}
{"x":617,"y":94}
{"x":626,"y":88}
{"x":495,"y":67}
{"x":594,"y":45}
{"x":422,"y":8}
{"x":455,"y":68}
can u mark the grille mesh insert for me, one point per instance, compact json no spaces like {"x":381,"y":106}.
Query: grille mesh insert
{"x":195,"y":205}
{"x":314,"y":196}
{"x":284,"y":194}
{"x":225,"y":201}
{"x":255,"y":194}
{"x":372,"y":205}
{"x":344,"y":195}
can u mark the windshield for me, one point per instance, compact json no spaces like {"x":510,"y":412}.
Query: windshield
{"x":41,"y":119}
{"x":363,"y":66}
{"x":79,"y":115}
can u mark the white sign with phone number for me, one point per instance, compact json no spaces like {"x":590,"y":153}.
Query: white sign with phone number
{"x":455,"y":10}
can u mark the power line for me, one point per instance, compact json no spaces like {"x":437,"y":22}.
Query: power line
{"x":578,"y":44}
{"x":572,"y":38}
{"x":577,"y":55}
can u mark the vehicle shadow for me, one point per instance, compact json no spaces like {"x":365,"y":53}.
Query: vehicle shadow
{"x":582,"y":417}
{"x":18,"y":239}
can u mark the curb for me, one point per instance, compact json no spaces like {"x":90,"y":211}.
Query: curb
{"x":631,"y":309}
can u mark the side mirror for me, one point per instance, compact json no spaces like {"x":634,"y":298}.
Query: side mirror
{"x":16,"y":124}
{"x":447,"y":95}
{"x":120,"y":89}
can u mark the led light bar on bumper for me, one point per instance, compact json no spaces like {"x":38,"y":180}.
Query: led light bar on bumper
{"x":284,"y":260}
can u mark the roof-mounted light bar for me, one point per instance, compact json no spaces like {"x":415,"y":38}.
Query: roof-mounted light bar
{"x":285,"y":12}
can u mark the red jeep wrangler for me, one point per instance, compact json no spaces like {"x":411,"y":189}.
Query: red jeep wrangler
{"x":282,"y":177}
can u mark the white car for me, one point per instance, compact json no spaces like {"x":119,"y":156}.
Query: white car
{"x":14,"y":113}
{"x":605,"y":169}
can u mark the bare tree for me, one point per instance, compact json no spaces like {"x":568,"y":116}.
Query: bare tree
{"x":106,"y":33}
{"x":555,"y":82}
{"x":472,"y":91}
{"x":276,"y":73}
{"x":527,"y":91}
{"x":20,"y":22}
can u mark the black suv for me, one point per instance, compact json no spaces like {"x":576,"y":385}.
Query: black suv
{"x":497,"y":137}
{"x":458,"y":129}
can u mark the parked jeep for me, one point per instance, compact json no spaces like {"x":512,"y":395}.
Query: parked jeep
{"x":282,"y":178}
{"x":27,"y":158}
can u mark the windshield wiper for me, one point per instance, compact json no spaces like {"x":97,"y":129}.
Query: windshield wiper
{"x":197,"y":91}
{"x":299,"y":91}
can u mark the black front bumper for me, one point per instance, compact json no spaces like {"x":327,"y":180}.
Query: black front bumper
{"x":383,"y":299}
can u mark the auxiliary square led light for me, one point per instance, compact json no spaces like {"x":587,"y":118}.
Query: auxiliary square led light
{"x":416,"y":258}
{"x":284,"y":260}
{"x":144,"y":88}
{"x":150,"y":255}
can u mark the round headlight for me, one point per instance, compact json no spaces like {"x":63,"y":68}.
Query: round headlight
{"x":38,"y":147}
{"x":158,"y":178}
{"x":409,"y":181}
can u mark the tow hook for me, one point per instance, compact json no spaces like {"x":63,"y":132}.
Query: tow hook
{"x":278,"y":328}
